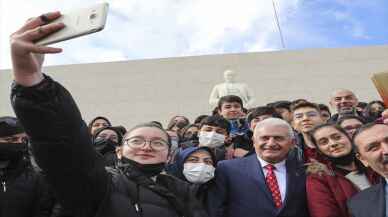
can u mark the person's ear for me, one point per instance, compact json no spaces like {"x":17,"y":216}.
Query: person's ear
{"x":169,"y":156}
{"x":293,"y":142}
{"x":293,"y":125}
{"x":331,"y":103}
{"x":119,"y":152}
{"x":228,"y":139}
{"x":362,"y":159}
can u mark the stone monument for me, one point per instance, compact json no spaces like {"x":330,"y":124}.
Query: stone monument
{"x":231,"y":87}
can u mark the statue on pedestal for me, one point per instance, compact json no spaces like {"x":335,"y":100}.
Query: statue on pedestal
{"x":231,"y":87}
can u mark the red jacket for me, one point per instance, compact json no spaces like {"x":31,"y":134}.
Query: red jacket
{"x":327,"y":194}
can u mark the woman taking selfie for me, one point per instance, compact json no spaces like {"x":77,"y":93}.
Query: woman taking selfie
{"x":63,"y":148}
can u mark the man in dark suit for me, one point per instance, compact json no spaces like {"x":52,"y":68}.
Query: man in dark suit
{"x":371,"y":142}
{"x":265,"y":184}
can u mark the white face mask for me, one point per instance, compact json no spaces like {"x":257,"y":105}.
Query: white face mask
{"x":211,"y":139}
{"x":198,"y":173}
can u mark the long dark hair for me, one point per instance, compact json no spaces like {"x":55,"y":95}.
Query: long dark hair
{"x":360,"y":167}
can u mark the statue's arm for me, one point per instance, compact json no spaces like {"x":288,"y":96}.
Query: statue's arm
{"x":214,"y":96}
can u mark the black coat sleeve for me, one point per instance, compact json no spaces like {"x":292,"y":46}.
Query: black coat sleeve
{"x":61,"y":144}
{"x":44,"y":198}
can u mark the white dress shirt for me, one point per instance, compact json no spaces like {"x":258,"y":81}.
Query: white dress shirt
{"x":280,"y":173}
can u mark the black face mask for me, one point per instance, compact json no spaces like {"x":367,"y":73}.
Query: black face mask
{"x":343,"y":160}
{"x":104,"y":146}
{"x":148,"y":170}
{"x":12,"y":152}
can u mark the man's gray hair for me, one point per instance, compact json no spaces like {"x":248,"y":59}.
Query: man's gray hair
{"x":276,"y":122}
{"x":332,"y":95}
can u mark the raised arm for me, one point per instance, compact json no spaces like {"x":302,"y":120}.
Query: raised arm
{"x":59,"y":137}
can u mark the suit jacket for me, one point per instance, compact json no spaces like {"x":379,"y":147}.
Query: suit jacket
{"x":369,"y":203}
{"x":241,"y":190}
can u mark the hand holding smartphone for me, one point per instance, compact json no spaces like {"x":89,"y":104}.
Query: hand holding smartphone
{"x":78,"y":23}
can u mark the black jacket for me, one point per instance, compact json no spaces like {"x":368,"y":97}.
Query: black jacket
{"x":24,"y":193}
{"x":63,"y":149}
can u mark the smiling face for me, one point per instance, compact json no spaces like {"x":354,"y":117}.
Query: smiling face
{"x":272,"y":143}
{"x":331,"y":142}
{"x":230,"y":110}
{"x":372,"y":145}
{"x":305,"y":119}
{"x":145,"y":154}
{"x":343,"y":101}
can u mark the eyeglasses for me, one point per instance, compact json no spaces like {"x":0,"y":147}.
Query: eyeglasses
{"x":140,"y":142}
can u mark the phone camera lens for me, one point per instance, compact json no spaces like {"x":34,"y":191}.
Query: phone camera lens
{"x":92,"y":16}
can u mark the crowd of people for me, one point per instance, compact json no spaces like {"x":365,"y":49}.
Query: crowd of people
{"x":283,"y":159}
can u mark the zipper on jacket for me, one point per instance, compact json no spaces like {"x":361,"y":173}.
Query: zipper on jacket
{"x":137,"y":208}
{"x":4,"y":186}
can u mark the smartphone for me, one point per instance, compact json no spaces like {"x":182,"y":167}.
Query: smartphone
{"x":78,"y":23}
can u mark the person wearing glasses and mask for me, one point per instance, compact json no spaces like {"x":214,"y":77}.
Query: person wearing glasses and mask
{"x":23,"y":191}
{"x":63,"y":148}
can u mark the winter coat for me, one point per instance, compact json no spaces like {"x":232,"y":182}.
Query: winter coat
{"x":24,"y":193}
{"x":329,"y":190}
{"x":63,"y":149}
{"x":181,"y":158}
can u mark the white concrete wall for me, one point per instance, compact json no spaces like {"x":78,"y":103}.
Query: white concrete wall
{"x":136,"y":91}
